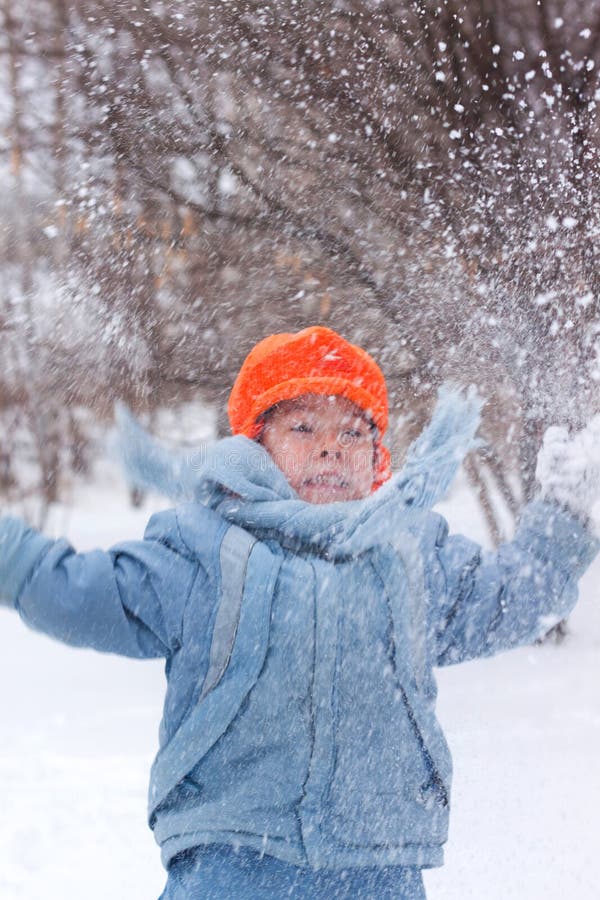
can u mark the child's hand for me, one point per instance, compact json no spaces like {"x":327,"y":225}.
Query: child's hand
{"x":568,"y":469}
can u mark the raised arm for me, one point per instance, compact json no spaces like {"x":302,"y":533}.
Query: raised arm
{"x":126,"y":600}
{"x":492,"y":601}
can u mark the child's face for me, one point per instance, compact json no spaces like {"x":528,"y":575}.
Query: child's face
{"x":324,"y":446}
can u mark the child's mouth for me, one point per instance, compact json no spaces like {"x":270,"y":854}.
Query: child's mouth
{"x":326,"y":479}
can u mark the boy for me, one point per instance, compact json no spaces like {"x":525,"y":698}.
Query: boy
{"x":301,"y":602}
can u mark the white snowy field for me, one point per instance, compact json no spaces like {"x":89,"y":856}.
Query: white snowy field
{"x":79,"y":731}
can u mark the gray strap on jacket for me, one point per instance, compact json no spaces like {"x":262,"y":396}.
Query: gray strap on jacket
{"x":408,"y":549}
{"x":235,"y":551}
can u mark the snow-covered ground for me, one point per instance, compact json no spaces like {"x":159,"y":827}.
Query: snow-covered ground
{"x":79,"y":731}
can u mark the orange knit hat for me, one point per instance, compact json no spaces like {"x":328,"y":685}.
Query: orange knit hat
{"x":313,"y":361}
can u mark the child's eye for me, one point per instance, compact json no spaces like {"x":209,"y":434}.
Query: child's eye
{"x":353,"y":433}
{"x":302,"y":427}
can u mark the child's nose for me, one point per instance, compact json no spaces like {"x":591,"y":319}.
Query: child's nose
{"x":331,"y":448}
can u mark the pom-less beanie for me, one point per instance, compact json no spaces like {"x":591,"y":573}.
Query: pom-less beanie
{"x":316,"y":360}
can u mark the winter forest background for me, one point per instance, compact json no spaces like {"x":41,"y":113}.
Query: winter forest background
{"x":182,"y":178}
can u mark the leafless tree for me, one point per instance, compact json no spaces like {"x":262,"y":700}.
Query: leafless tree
{"x":420,"y":175}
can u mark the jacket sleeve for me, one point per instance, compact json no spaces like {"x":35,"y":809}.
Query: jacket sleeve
{"x":483,"y":602}
{"x":126,"y":600}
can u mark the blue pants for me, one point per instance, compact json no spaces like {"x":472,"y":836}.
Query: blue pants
{"x":219,"y":872}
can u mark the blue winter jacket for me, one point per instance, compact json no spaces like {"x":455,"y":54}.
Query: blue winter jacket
{"x":316,"y":741}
